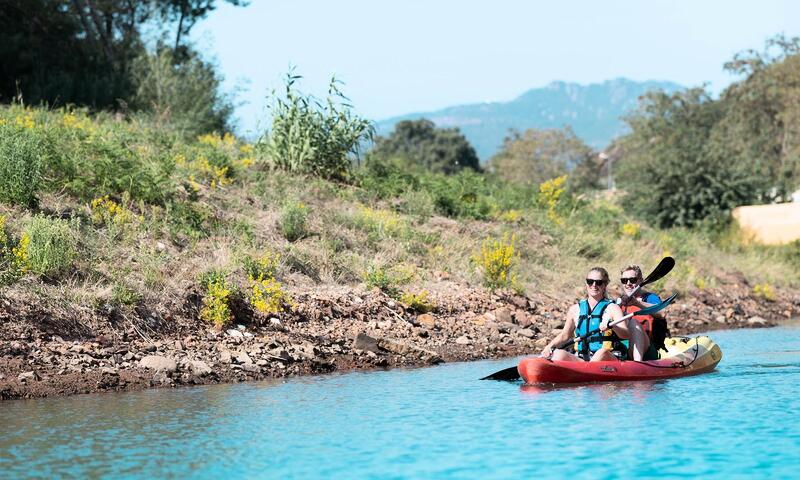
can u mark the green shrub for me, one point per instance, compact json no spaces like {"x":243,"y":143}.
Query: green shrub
{"x":314,"y":138}
{"x":292,"y":222}
{"x":190,"y":219}
{"x":52,"y":247}
{"x":21,"y":161}
{"x":379,"y":277}
{"x":123,"y":294}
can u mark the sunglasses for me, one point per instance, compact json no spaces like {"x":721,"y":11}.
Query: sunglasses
{"x":593,"y":281}
{"x":631,"y":280}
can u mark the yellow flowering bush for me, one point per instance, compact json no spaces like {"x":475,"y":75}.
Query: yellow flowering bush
{"x":631,"y":230}
{"x":267,"y":294}
{"x":496,"y":261}
{"x":417,"y":302}
{"x":381,"y":223}
{"x":550,"y":193}
{"x":510,"y":216}
{"x":14,"y":261}
{"x":765,"y":291}
{"x":106,"y":211}
{"x":216,"y":308}
{"x":25,"y":120}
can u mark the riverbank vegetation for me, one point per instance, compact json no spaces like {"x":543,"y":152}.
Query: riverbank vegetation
{"x":159,"y":206}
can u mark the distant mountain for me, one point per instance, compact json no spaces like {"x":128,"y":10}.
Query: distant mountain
{"x":593,"y":111}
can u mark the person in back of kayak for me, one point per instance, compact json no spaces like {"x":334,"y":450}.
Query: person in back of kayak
{"x":633,"y":299}
{"x":597,"y":311}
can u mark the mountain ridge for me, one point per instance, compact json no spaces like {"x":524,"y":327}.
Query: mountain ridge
{"x":593,"y":111}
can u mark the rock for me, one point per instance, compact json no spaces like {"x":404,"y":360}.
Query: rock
{"x":385,"y":325}
{"x":463,"y":340}
{"x":276,"y":322}
{"x":225,"y":356}
{"x":526,"y":332}
{"x":756,"y":321}
{"x":160,"y":247}
{"x":503,"y":315}
{"x":280,"y":354}
{"x":426,"y":320}
{"x":28,"y":376}
{"x":179,"y":345}
{"x":720,"y":319}
{"x":150,"y":348}
{"x":199,"y":368}
{"x":251,"y":367}
{"x":506,"y":327}
{"x":161,"y":377}
{"x":158,"y":363}
{"x":523,"y":319}
{"x":262,"y":363}
{"x":729,"y":313}
{"x":109,"y":371}
{"x":243,"y":358}
{"x":519,"y":301}
{"x":234,"y":333}
{"x":541,"y":343}
{"x":365,"y":342}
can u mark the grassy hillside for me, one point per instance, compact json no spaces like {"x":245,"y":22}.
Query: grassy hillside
{"x":104,"y":213}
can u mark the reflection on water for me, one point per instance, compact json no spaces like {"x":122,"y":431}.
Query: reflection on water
{"x":430,"y":423}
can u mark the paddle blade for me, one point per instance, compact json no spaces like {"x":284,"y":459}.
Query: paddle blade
{"x":662,"y":269}
{"x":507,"y":374}
{"x":657,"y":307}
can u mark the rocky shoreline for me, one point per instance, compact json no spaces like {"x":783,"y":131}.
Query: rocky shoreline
{"x":332,"y":329}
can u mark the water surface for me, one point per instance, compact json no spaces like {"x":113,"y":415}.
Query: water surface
{"x":739,"y":421}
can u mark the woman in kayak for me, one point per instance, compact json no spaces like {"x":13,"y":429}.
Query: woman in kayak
{"x":597,"y":311}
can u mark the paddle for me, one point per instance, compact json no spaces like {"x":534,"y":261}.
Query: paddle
{"x":662,"y":269}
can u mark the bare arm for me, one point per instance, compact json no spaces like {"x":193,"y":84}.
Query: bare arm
{"x":566,"y":333}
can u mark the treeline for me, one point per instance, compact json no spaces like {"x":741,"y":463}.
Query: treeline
{"x":690,"y":158}
{"x":94,"y":54}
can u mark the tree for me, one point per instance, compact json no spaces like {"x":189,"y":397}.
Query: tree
{"x":419,"y":143}
{"x":185,"y":95}
{"x":671,"y":171}
{"x":80,"y":51}
{"x":535,"y":156}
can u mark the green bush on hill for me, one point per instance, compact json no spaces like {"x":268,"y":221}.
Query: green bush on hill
{"x":21,"y":162}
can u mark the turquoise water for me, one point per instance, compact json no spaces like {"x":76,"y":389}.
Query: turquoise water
{"x":740,"y":421}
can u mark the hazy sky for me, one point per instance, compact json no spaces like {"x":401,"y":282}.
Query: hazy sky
{"x":406,"y":56}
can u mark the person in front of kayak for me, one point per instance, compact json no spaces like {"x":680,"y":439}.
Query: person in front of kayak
{"x":633,"y":299}
{"x":597,"y":311}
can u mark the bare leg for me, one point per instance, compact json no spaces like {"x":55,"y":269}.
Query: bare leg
{"x":564,"y":356}
{"x":639,"y":342}
{"x":603,"y":355}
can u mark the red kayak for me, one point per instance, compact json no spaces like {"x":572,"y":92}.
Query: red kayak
{"x":684,"y":357}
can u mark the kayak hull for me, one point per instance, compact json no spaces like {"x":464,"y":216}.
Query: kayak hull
{"x":684,"y":357}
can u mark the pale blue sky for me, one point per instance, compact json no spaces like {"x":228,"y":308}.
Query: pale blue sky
{"x":407,"y":56}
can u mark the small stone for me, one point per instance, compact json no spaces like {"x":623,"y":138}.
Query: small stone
{"x":280,"y":354}
{"x":158,"y":363}
{"x":199,"y":368}
{"x":756,"y":321}
{"x":365,"y":342}
{"x":262,"y":363}
{"x":720,"y":319}
{"x":523,"y":319}
{"x":251,"y":367}
{"x":276,"y":322}
{"x":160,"y":247}
{"x":729,"y":313}
{"x":27,"y":376}
{"x":179,"y":345}
{"x":541,"y":343}
{"x":463,"y":340}
{"x":503,"y":315}
{"x":426,"y":320}
{"x":150,"y":348}
{"x":384,"y":325}
{"x":234,"y":333}
{"x":243,"y":358}
{"x":225,"y":356}
{"x":526,"y":332}
{"x":109,"y":371}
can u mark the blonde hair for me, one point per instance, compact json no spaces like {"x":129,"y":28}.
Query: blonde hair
{"x":602,"y":271}
{"x":635,"y":268}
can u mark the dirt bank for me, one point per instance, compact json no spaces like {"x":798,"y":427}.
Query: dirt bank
{"x":47,"y":351}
